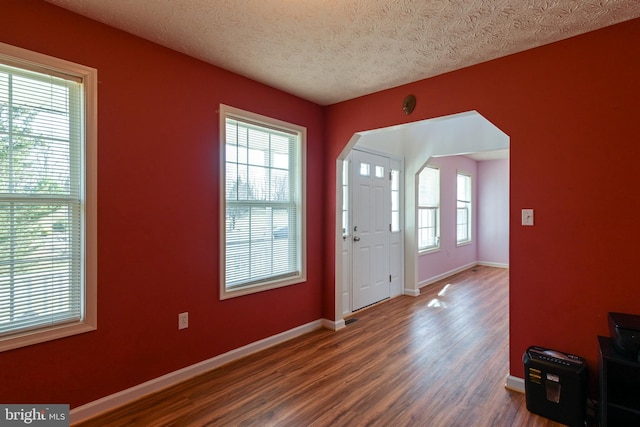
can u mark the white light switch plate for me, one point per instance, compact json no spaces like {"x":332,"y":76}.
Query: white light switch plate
{"x":183,"y":320}
{"x":527,"y":216}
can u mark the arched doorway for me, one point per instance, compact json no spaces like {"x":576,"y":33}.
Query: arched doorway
{"x":457,"y":134}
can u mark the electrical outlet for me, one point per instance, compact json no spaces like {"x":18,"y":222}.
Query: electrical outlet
{"x":183,"y":320}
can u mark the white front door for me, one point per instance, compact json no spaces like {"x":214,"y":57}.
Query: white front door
{"x":370,"y":230}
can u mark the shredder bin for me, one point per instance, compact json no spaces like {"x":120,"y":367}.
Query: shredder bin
{"x":555,"y":385}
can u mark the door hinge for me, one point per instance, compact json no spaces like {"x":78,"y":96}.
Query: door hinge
{"x":389,"y":227}
{"x":390,"y":176}
{"x":389,"y":278}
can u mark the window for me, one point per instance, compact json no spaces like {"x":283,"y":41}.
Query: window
{"x":429,"y":209}
{"x":345,"y":198}
{"x":365,"y":169}
{"x":47,"y":198}
{"x":264,"y":244}
{"x":463,"y":215}
{"x":395,"y":200}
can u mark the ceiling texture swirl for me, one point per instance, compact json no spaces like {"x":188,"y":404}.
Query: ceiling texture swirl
{"x":329,"y":51}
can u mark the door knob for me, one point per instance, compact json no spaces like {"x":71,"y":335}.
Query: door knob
{"x":356,"y":239}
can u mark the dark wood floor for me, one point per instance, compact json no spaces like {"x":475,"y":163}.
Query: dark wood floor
{"x":440,"y":359}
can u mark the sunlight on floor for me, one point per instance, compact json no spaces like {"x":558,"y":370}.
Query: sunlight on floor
{"x":443,"y":291}
{"x":437,"y":303}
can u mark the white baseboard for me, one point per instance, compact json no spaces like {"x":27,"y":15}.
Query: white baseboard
{"x":439,"y":277}
{"x":92,"y":409}
{"x":412,"y":292}
{"x":493,"y":264}
{"x":333,"y":325}
{"x":515,"y":384}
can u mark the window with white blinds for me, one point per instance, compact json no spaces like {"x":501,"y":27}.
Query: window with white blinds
{"x":429,"y":208}
{"x":263,"y":191}
{"x":43,"y":207}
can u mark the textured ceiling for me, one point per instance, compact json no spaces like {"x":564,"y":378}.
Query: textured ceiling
{"x":328,"y":51}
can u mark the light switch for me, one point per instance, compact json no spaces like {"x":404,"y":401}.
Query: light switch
{"x":527,"y":216}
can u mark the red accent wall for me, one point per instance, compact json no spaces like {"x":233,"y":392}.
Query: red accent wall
{"x":158,"y":214}
{"x":572,"y":110}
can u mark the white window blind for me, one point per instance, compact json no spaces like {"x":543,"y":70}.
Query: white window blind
{"x":428,"y":208}
{"x":41,"y":200}
{"x":263,"y":203}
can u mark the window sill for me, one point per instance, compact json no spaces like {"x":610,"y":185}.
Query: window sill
{"x":253,"y":289}
{"x":37,"y":336}
{"x":428,"y":251}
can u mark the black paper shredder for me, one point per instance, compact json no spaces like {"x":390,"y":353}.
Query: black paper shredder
{"x":556,"y":385}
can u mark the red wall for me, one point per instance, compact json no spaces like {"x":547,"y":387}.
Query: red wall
{"x":572,"y":111}
{"x":158,"y":254}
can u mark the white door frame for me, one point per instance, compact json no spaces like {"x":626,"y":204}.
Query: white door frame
{"x":345,"y":242}
{"x":370,"y":209}
{"x":461,"y":133}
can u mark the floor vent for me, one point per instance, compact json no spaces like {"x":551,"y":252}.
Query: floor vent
{"x":350,"y":321}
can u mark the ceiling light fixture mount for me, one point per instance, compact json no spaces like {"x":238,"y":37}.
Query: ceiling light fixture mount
{"x":409,"y":104}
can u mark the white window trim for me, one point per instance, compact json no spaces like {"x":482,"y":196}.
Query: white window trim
{"x":470,"y":223}
{"x":43,"y":63}
{"x":399,"y":195}
{"x":437,"y":247}
{"x":225,"y":293}
{"x":431,"y":249}
{"x":346,"y":197}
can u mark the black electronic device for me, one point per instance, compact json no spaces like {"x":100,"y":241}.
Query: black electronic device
{"x":556,"y":385}
{"x":624,"y":330}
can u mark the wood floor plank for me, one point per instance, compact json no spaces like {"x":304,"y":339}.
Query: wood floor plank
{"x":440,"y":359}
